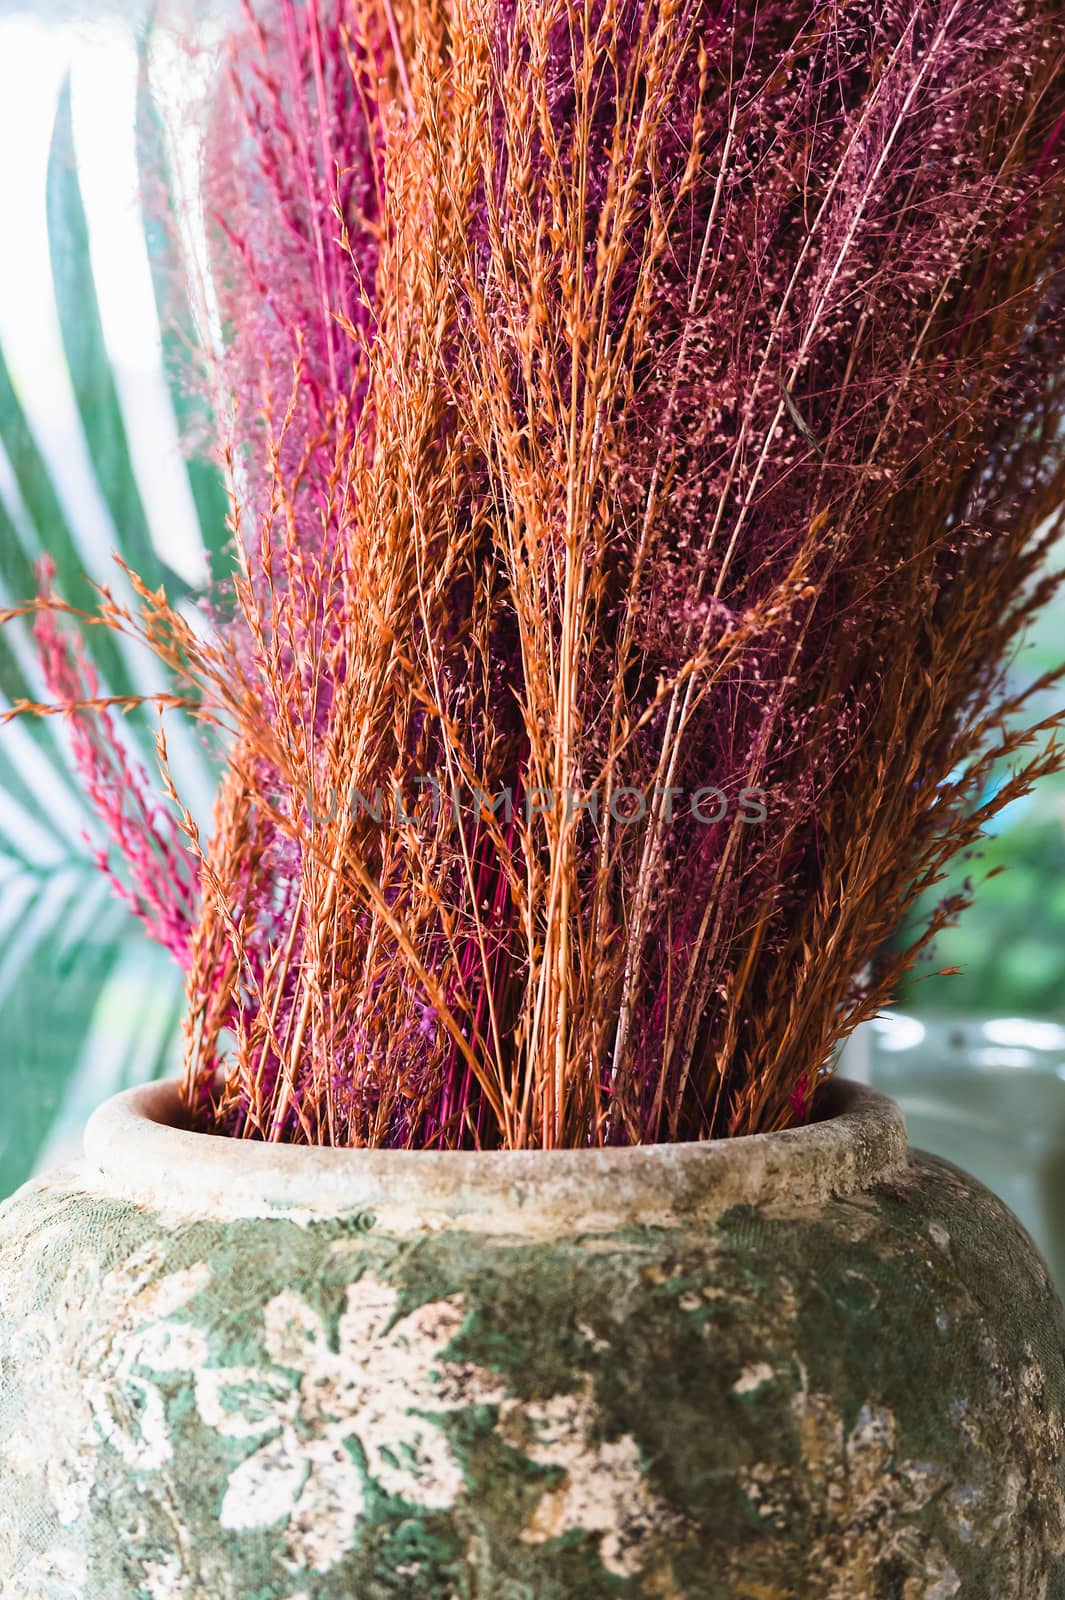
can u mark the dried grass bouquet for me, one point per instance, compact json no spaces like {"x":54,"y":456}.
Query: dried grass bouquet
{"x":644,"y":427}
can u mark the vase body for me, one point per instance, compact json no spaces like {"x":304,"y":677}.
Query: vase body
{"x":812,"y":1364}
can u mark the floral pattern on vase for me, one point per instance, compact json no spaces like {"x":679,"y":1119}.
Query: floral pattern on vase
{"x":859,"y":1395}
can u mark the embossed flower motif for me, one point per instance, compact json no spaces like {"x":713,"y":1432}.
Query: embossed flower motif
{"x":601,"y":1488}
{"x":383,"y":1388}
{"x":856,"y":1480}
{"x":89,"y":1377}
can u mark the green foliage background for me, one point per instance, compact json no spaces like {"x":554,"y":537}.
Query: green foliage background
{"x":88,"y":1004}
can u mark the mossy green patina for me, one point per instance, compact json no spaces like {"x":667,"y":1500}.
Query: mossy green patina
{"x":857,"y":1400}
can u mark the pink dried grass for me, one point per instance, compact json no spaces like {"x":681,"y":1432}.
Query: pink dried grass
{"x":159,"y":881}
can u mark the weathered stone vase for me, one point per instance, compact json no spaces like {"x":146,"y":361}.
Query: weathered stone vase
{"x":804,"y":1366}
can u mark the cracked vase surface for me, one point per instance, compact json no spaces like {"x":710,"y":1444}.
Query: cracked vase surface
{"x":807,"y":1364}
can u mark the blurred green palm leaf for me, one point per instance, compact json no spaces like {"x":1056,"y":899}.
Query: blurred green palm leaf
{"x":89,"y":1004}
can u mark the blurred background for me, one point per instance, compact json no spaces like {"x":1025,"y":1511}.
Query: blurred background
{"x":92,"y":411}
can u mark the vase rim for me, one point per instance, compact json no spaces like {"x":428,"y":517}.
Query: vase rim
{"x":136,"y":1146}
